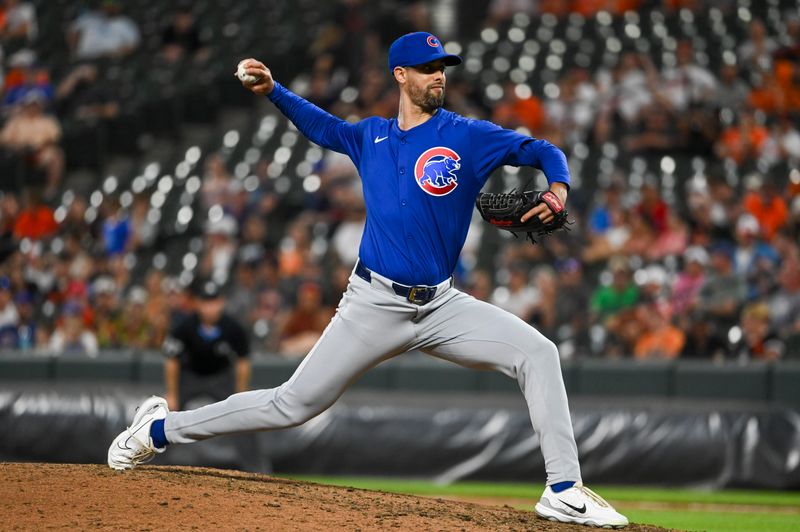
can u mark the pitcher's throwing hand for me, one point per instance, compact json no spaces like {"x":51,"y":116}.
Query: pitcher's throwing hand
{"x":252,"y":67}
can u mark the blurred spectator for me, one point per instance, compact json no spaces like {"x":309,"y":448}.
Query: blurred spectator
{"x":36,"y":220}
{"x":82,"y":96}
{"x":221,"y":247}
{"x":654,"y":133}
{"x":519,"y":297}
{"x":116,"y":228}
{"x":25,"y":77}
{"x":33,"y":136}
{"x":756,"y":52}
{"x":687,"y":83}
{"x":71,"y":337}
{"x":704,"y":339}
{"x":743,"y":141}
{"x":543,"y":315}
{"x":295,"y":249}
{"x":783,"y":143}
{"x":723,"y":291}
{"x":571,"y":115}
{"x":751,"y":253}
{"x":600,"y":216}
{"x":519,"y":107}
{"x":619,"y":295}
{"x":659,"y":338}
{"x":20,"y":27}
{"x":109,"y":316}
{"x":29,"y":334}
{"x":143,"y":230}
{"x":641,"y":236}
{"x":136,"y":330}
{"x":157,"y":286}
{"x":654,"y":287}
{"x":181,"y":38}
{"x":9,"y":317}
{"x":479,"y":285}
{"x":347,"y":235}
{"x":689,"y":282}
{"x":572,"y":307}
{"x":784,"y":303}
{"x":731,"y":90}
{"x":631,"y":92}
{"x":654,"y":209}
{"x":756,"y":338}
{"x":267,"y":316}
{"x":767,"y":95}
{"x":216,"y":182}
{"x":103,"y":33}
{"x":179,"y":304}
{"x":768,"y":207}
{"x":672,"y":240}
{"x":244,"y":294}
{"x":305,"y":322}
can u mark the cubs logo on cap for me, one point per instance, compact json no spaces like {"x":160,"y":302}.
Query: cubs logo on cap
{"x":419,"y":48}
{"x":435,"y":171}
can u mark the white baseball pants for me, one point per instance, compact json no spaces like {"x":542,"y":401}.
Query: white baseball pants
{"x":373,"y":324}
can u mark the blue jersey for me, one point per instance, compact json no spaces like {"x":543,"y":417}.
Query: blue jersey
{"x":419,"y":185}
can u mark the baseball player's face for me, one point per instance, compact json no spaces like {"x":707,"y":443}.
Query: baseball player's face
{"x":210,"y":310}
{"x":425,"y":85}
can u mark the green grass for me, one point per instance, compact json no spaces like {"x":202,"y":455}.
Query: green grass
{"x":714,"y":521}
{"x":626,"y":499}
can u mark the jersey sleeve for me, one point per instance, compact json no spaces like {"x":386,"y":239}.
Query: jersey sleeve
{"x":318,"y":125}
{"x":494,"y":146}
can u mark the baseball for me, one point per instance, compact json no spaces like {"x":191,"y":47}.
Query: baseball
{"x":245,"y":77}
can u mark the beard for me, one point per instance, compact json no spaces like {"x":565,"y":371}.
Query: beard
{"x":426,"y":98}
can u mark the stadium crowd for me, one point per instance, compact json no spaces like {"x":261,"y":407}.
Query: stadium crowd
{"x":707,"y":267}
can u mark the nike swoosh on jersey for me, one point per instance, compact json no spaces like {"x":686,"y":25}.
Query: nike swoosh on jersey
{"x":380,"y":139}
{"x":580,"y":510}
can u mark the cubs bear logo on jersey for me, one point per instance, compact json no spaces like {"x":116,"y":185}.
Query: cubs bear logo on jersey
{"x":435,"y":170}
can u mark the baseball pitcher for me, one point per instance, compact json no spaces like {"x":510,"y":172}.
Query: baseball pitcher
{"x":422,"y":172}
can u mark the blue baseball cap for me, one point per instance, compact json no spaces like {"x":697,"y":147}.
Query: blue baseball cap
{"x":418,"y":48}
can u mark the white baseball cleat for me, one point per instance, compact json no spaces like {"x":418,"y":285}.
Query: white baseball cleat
{"x":580,"y":505}
{"x":134,"y":447}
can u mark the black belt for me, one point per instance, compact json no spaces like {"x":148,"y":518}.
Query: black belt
{"x":419,"y":295}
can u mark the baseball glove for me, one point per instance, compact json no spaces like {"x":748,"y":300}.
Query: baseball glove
{"x":505,"y":212}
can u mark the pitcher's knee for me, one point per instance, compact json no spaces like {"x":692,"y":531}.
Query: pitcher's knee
{"x":544,"y":354}
{"x":297,"y":410}
{"x":297,"y":415}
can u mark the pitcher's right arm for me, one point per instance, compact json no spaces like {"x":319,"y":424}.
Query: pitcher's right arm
{"x":317,"y":125}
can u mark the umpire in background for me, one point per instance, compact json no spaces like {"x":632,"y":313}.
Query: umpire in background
{"x":207,"y":352}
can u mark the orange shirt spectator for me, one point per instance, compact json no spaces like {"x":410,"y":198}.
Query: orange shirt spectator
{"x":665,"y":342}
{"x":528,"y":112}
{"x":770,"y":210}
{"x":659,"y":338}
{"x":739,"y":143}
{"x":768,"y":96}
{"x":35,"y":222}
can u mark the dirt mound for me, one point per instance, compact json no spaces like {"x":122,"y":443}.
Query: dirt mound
{"x":80,"y":497}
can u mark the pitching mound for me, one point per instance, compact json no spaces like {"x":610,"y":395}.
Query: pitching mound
{"x":80,"y":497}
